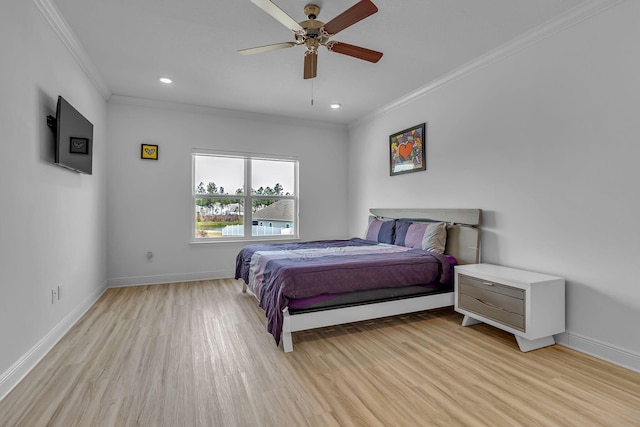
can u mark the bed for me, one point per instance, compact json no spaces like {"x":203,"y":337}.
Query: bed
{"x":403,"y":264}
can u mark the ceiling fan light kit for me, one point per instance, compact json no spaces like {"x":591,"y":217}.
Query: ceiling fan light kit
{"x":313,"y":33}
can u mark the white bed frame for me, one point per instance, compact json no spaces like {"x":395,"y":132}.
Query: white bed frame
{"x":463,"y":242}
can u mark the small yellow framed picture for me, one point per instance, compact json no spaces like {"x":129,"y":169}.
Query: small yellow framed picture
{"x":149,"y":152}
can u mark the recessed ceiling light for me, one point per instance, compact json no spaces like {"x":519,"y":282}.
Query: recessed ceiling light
{"x":335,"y":106}
{"x":166,"y":80}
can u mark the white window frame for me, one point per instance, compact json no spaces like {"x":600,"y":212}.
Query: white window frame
{"x":247,"y":198}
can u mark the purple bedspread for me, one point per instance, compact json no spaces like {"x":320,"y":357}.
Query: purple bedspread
{"x":302,"y":270}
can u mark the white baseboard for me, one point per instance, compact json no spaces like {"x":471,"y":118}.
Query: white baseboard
{"x":169,"y":278}
{"x":608,"y":352}
{"x":12,"y":376}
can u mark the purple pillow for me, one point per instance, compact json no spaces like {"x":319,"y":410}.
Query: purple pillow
{"x":381,"y":231}
{"x":429,"y":236}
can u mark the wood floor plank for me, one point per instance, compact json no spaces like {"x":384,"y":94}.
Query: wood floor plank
{"x":198,"y":354}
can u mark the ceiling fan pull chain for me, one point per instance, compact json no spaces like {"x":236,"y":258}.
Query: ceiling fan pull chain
{"x":311,"y":92}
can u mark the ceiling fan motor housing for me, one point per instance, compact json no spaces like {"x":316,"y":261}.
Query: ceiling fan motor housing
{"x":313,"y":34}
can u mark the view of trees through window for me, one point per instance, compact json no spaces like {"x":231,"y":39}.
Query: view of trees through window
{"x":220,"y":198}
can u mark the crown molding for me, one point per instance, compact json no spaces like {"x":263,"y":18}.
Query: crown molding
{"x":69,"y":39}
{"x":223,"y":112}
{"x":558,"y":24}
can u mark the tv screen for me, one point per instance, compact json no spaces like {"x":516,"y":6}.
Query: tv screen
{"x":74,"y":138}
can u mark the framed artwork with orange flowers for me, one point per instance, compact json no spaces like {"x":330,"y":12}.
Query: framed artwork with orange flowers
{"x":407,"y":150}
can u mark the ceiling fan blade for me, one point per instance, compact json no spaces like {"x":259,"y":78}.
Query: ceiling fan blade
{"x":355,"y":51}
{"x":310,"y":64}
{"x":279,"y":14}
{"x":354,"y":14}
{"x":267,"y":48}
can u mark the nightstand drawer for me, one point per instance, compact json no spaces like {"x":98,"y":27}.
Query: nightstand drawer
{"x":495,"y":301}
{"x":492,"y":312}
{"x":490,"y":286}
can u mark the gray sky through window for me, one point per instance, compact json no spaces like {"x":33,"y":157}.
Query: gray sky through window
{"x":227,"y":172}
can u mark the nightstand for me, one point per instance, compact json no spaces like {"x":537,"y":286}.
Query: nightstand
{"x":527,"y":304}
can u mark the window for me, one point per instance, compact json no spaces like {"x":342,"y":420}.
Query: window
{"x":224,"y":210}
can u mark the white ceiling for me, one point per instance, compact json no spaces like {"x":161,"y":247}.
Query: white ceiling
{"x":195,"y":42}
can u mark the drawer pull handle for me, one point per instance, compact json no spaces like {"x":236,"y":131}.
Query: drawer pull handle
{"x":487,"y":283}
{"x":495,"y":307}
{"x":488,"y":304}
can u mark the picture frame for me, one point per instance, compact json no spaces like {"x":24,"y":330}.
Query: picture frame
{"x":78,"y":145}
{"x":149,"y":152}
{"x":407,"y":150}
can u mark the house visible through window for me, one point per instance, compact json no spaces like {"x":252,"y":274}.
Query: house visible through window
{"x":224,"y":210}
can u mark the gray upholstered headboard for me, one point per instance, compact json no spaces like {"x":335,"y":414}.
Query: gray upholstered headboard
{"x":463,"y":233}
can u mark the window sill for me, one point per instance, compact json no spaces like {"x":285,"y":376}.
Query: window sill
{"x":244,"y":241}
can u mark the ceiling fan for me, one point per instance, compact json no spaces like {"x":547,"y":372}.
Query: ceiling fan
{"x":313,"y":33}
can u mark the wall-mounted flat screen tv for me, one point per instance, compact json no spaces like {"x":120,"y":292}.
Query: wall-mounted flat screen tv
{"x":74,"y":138}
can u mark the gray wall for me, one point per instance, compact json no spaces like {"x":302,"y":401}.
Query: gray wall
{"x":149,"y":203}
{"x":545,"y":141}
{"x":52,"y":227}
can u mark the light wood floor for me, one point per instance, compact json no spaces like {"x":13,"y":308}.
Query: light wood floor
{"x":198,"y":354}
